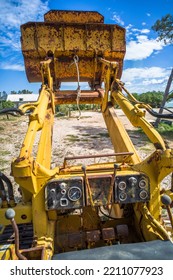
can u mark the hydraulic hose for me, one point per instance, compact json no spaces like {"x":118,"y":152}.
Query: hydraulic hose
{"x":4,"y":178}
{"x":11,"y":111}
{"x":2,"y":191}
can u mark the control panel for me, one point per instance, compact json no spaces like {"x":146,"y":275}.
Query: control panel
{"x":100,"y":188}
{"x":64,"y":194}
{"x":78,"y":192}
{"x":130,"y":189}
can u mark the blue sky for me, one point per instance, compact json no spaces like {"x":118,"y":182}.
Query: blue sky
{"x":147,"y":64}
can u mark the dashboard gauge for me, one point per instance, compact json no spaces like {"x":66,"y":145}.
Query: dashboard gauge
{"x":122,"y":196}
{"x":122,"y":185}
{"x":64,"y":194}
{"x":74,"y":193}
{"x":142,"y":183}
{"x":143,"y":194}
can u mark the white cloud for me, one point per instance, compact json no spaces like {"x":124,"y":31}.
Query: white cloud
{"x":13,"y":14}
{"x":132,"y":32}
{"x":143,"y":23}
{"x":145,"y":31}
{"x":140,"y":31}
{"x":142,"y":47}
{"x":16,"y":67}
{"x":16,"y":12}
{"x":145,"y":79}
{"x":147,"y":72}
{"x":153,"y":81}
{"x":148,"y":14}
{"x":117,"y":19}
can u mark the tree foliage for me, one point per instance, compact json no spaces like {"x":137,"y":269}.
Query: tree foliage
{"x":3,"y":95}
{"x":153,"y":98}
{"x":6,"y":104}
{"x":23,"y":91}
{"x":164,"y":28}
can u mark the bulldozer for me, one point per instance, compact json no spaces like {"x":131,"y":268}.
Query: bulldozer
{"x":107,"y":210}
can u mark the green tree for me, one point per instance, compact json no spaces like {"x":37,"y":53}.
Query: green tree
{"x":3,"y":95}
{"x":164,"y":28}
{"x":24,"y":91}
{"x":153,"y":98}
{"x":6,"y":104}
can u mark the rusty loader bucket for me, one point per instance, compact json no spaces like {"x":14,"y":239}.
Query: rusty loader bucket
{"x":64,"y":34}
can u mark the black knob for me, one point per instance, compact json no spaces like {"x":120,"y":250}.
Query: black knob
{"x":166,"y":200}
{"x":116,"y":166}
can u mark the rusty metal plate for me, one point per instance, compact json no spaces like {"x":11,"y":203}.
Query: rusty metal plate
{"x":70,"y":240}
{"x":69,"y":97}
{"x":100,"y":188}
{"x":108,"y":234}
{"x":93,"y":236}
{"x":73,"y":17}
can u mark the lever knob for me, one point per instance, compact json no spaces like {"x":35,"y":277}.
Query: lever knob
{"x":10,"y":214}
{"x":166,"y":200}
{"x":83,"y":168}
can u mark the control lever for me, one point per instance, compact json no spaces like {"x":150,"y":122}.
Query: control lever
{"x":88,"y":186}
{"x":116,"y":166}
{"x":10,"y":214}
{"x":166,"y":200}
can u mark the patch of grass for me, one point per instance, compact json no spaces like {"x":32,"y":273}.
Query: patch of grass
{"x":104,"y":134}
{"x":5,"y":153}
{"x":17,"y":146}
{"x":145,"y":148}
{"x":85,"y":140}
{"x":85,"y":134}
{"x":2,"y":140}
{"x":94,"y":136}
{"x":72,"y":138}
{"x":3,"y":161}
{"x":9,"y":119}
{"x":1,"y":128}
{"x":164,"y":128}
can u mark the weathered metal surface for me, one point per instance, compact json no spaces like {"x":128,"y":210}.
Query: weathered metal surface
{"x":108,"y":234}
{"x":64,"y":40}
{"x":96,"y":156}
{"x":73,"y":17}
{"x":23,"y":214}
{"x":69,"y":97}
{"x":93,"y":236}
{"x":25,"y":235}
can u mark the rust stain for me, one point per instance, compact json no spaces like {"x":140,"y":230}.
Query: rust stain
{"x":48,"y":116}
{"x":19,"y":159}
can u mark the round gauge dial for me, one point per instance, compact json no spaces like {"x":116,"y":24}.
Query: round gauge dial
{"x":142,"y":183}
{"x":122,"y":196}
{"x":122,"y":185}
{"x":143,"y":194}
{"x":74,"y":193}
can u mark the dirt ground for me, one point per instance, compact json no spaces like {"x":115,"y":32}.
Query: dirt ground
{"x":71,"y":137}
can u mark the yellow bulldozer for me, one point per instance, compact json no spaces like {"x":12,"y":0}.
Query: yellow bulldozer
{"x":106,"y":210}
